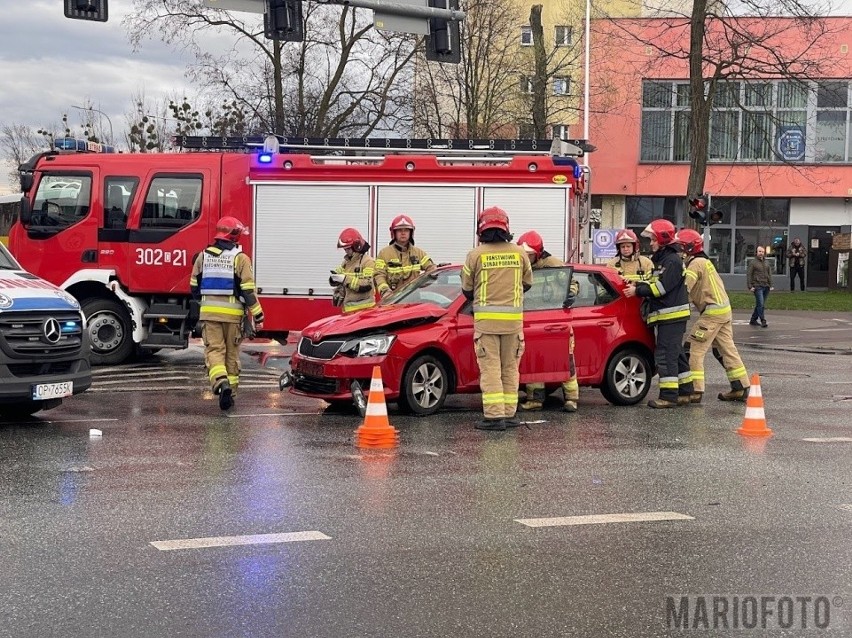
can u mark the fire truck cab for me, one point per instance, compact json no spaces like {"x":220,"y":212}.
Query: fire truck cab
{"x":120,"y":232}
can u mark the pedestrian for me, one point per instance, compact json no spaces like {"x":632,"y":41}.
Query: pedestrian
{"x":630,"y":264}
{"x":400,"y":261}
{"x":759,"y":281}
{"x":796,"y":256}
{"x":714,"y":327}
{"x":539,"y":258}
{"x":353,"y":279}
{"x":668,"y":311}
{"x":495,"y":276}
{"x":222,"y":280}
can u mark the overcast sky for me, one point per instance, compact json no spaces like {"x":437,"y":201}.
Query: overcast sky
{"x":48,"y":63}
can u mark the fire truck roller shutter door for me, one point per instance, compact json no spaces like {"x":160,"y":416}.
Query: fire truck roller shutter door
{"x":542,"y":208}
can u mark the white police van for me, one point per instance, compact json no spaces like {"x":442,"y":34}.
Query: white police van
{"x":44,"y":351}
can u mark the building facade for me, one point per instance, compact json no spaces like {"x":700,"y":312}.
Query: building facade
{"x":780,"y":147}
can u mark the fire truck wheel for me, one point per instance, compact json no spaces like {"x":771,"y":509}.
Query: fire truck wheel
{"x":108,"y":326}
{"x":627,"y":378}
{"x":425,"y":386}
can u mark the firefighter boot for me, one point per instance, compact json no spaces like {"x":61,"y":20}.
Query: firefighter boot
{"x":662,"y":403}
{"x":737,"y":393}
{"x":535,"y":400}
{"x":695,"y":397}
{"x":495,"y":425}
{"x":226,"y":400}
{"x":569,"y":406}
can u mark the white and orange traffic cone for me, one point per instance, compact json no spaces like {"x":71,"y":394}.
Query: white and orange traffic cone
{"x":376,"y":431}
{"x":754,"y":422}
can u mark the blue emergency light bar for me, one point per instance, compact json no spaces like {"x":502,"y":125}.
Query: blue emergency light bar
{"x":81,"y":146}
{"x":264,"y":158}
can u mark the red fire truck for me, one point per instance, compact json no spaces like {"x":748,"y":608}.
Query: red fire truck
{"x":120,"y":231}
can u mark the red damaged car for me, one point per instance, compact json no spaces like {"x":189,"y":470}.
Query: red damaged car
{"x":422,"y":337}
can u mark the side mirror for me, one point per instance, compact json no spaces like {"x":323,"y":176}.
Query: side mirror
{"x":26,"y":181}
{"x":26,"y":211}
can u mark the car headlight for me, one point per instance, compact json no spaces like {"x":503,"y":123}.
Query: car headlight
{"x":368,"y":346}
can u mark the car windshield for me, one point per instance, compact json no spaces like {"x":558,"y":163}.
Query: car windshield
{"x":7,"y":262}
{"x":439,"y":288}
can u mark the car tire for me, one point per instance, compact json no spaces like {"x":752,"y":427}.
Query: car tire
{"x":110,"y":335}
{"x":627,"y":378}
{"x":425,"y":386}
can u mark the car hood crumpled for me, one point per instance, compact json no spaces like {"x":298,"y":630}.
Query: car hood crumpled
{"x":380,"y":317}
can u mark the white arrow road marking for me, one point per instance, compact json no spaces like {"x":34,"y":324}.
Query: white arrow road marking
{"x":229,"y":541}
{"x":595,"y":519}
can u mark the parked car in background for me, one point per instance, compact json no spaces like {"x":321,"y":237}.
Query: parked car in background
{"x":422,"y":338}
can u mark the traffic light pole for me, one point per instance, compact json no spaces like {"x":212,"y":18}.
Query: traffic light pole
{"x":406,"y":10}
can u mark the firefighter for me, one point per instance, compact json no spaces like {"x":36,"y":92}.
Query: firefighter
{"x":495,"y":276}
{"x":668,"y":311}
{"x":400,"y":261}
{"x":223,"y":281}
{"x":353,"y":279}
{"x":533,"y":244}
{"x":629,"y":263}
{"x":714,"y":327}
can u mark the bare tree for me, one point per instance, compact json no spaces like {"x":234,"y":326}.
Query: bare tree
{"x":345,"y":78}
{"x":19,"y":142}
{"x":751,"y":40}
{"x":480,"y":97}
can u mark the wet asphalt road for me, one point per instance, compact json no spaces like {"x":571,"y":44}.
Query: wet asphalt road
{"x":422,"y":541}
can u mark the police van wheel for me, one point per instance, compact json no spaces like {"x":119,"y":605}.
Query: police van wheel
{"x":108,"y":327}
{"x":627,"y":378}
{"x":425,"y":386}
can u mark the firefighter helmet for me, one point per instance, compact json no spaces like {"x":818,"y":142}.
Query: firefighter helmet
{"x":691,"y":240}
{"x":351,"y":238}
{"x":399,"y":222}
{"x":230,"y":229}
{"x":532,"y":242}
{"x":627,"y":236}
{"x":493,"y":217}
{"x":662,"y":231}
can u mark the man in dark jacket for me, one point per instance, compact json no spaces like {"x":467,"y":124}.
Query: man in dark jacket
{"x":668,"y":311}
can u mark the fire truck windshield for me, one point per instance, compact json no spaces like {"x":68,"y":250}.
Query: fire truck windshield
{"x":61,"y":200}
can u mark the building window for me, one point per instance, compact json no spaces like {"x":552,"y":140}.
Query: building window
{"x":526,"y":36}
{"x":563,"y":36}
{"x":560,"y":131}
{"x":755,"y":121}
{"x":561,"y":85}
{"x":526,"y":85}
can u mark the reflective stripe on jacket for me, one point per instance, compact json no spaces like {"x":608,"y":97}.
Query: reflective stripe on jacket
{"x":706,"y":290}
{"x":497,"y":274}
{"x":667,"y":295}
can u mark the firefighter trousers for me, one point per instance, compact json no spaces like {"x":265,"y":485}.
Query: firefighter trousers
{"x":499,"y":358}
{"x":717,"y":333}
{"x":222,"y":353}
{"x":570,"y":388}
{"x":672,"y":364}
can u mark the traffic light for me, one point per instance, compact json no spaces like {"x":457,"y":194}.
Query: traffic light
{"x":96,"y":10}
{"x":283,"y":20}
{"x":701,"y":211}
{"x":443,"y":44}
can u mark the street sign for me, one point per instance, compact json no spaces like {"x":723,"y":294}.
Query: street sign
{"x":385,"y":21}
{"x":791,"y":143}
{"x":249,"y":6}
{"x":603,"y":243}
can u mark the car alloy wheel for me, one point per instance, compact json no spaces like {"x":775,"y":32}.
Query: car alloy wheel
{"x":425,"y":386}
{"x":628,"y":378}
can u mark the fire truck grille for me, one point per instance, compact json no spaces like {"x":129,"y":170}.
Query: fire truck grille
{"x":322,"y":350}
{"x":316,"y":385}
{"x":25,"y":334}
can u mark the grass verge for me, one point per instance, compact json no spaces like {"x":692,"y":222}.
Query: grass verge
{"x":828,"y":301}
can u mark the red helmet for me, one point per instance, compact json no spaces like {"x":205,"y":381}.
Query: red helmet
{"x":230,"y":229}
{"x":351,"y":238}
{"x":691,"y":240}
{"x":662,"y":231}
{"x":399,"y":222}
{"x":627,"y":236}
{"x":532,"y":242}
{"x":492,"y":218}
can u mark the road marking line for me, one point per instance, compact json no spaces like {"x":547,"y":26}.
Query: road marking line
{"x":229,"y":541}
{"x":240,"y":416}
{"x":594,"y":519}
{"x":830,"y":439}
{"x":159,"y":388}
{"x":826,"y":329}
{"x":846,"y":507}
{"x":81,"y":420}
{"x":125,"y":381}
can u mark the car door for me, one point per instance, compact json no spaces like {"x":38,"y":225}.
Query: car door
{"x":592,"y":316}
{"x":546,"y":327}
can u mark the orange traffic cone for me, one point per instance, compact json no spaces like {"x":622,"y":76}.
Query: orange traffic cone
{"x":754,"y":422}
{"x":376,"y":431}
